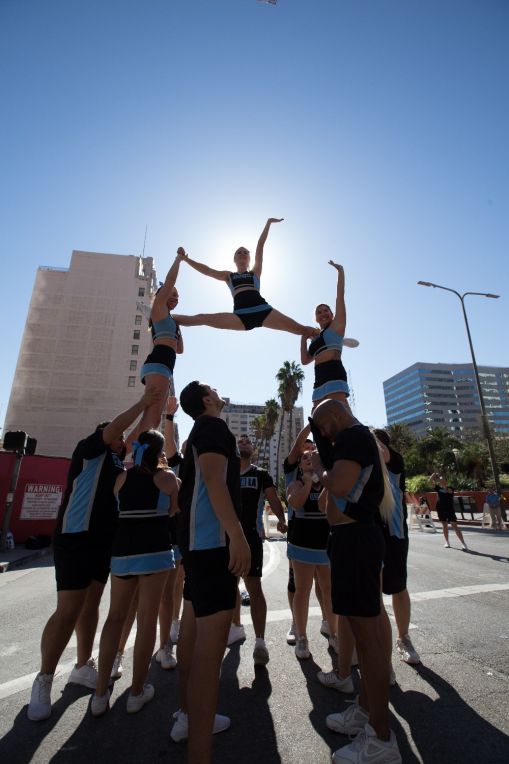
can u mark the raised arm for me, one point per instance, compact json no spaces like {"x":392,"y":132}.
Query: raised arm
{"x":258,"y":263}
{"x":298,"y":492}
{"x":299,"y":441}
{"x":114,"y":429}
{"x":159,"y":306}
{"x":170,"y":445}
{"x":305,"y":358}
{"x":206,"y":270}
{"x":339,"y":321}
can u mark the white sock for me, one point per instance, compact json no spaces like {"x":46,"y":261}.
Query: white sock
{"x":259,"y":642}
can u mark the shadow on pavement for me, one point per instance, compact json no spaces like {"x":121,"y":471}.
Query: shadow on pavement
{"x":251,"y":739}
{"x":22,"y":742}
{"x":447,"y":729}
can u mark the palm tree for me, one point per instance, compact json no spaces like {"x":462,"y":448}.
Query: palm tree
{"x":290,"y":377}
{"x":258,"y":429}
{"x":402,"y":437}
{"x":271,"y":414}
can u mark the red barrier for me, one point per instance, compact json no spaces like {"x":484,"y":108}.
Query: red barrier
{"x":38,"y":495}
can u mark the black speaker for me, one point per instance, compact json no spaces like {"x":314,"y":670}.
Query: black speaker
{"x":15,"y":440}
{"x":30,"y":446}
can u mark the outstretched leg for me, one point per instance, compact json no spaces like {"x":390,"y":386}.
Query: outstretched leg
{"x":277,"y":320}
{"x":215,"y":320}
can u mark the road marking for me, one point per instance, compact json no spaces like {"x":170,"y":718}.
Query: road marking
{"x":274,"y":558}
{"x":14,"y":686}
{"x":457,"y":591}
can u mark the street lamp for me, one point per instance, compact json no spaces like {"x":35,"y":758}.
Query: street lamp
{"x":485,"y":424}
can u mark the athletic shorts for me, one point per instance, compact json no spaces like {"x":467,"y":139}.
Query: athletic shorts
{"x":330,"y":377}
{"x":256,"y":547}
{"x":446,"y":515}
{"x":160,"y":361}
{"x":356,"y":552}
{"x":79,"y":560}
{"x":251,"y":308}
{"x":209,"y":585}
{"x":394,"y":571}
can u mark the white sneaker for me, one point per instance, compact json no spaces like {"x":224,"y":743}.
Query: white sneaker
{"x":117,"y":669}
{"x":325,"y":629}
{"x":260,"y":654}
{"x":290,"y":635}
{"x":407,"y":651}
{"x":180,"y":729}
{"x":464,"y":547}
{"x":447,"y":545}
{"x":236,"y":634}
{"x":136,"y":702}
{"x":39,"y":707}
{"x":302,"y":648}
{"x":332,"y":680}
{"x":348,"y":722}
{"x":367,"y":747}
{"x":99,"y":704}
{"x":168,"y":660}
{"x":174,"y":630}
{"x":86,"y":675}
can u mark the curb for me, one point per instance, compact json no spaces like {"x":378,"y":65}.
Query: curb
{"x":35,"y":554}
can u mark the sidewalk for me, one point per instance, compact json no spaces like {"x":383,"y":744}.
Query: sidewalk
{"x":17,"y":558}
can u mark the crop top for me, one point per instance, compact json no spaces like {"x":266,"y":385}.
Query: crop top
{"x":328,"y":339}
{"x":237,"y":281}
{"x":166,"y":329}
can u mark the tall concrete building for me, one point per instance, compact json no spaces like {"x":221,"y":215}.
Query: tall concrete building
{"x":429,"y":395}
{"x":84,"y":342}
{"x":239,"y":418}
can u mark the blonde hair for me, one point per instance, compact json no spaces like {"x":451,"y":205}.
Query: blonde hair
{"x":388,"y":503}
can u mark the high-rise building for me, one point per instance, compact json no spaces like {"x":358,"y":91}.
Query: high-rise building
{"x":84,"y":342}
{"x":429,"y":395}
{"x":239,"y":418}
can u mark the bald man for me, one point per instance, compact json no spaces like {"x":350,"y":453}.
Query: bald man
{"x":352,"y":472}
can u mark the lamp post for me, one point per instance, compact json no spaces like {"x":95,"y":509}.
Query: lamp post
{"x":484,"y":417}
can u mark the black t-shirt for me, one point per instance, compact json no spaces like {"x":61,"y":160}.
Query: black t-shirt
{"x":198,"y":527}
{"x":357,"y":444}
{"x":89,"y":504}
{"x":253,"y":484}
{"x":445,"y":499}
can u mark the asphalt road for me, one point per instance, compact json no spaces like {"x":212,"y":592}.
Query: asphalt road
{"x":452,"y":707}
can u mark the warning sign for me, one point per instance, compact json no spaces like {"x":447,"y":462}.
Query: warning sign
{"x":41,"y":501}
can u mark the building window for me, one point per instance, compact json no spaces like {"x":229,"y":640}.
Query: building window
{"x":131,"y":382}
{"x":133,"y":365}
{"x":141,"y":292}
{"x":136,"y":334}
{"x":134,"y":349}
{"x":137,"y":321}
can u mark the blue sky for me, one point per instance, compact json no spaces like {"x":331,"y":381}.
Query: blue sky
{"x":376,"y":128}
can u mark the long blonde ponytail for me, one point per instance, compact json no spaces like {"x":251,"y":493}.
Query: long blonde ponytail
{"x":388,"y":503}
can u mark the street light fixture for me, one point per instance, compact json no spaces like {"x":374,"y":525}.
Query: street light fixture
{"x":485,"y":424}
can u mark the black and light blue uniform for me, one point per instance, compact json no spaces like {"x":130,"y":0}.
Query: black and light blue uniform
{"x":87,"y":517}
{"x":209,"y":585}
{"x":248,"y":304}
{"x":308,"y":531}
{"x":89,"y":504}
{"x":330,"y":376}
{"x":162,"y":358}
{"x":142,"y":544}
{"x":253,"y":484}
{"x":394,"y":572}
{"x":357,"y":549}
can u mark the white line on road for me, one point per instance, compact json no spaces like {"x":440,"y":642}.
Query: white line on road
{"x":14,"y":686}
